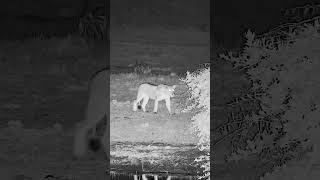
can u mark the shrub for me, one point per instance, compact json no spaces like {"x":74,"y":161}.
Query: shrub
{"x":284,"y":79}
{"x":199,"y":87}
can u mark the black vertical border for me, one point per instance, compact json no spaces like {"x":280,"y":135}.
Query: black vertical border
{"x":211,"y":83}
{"x":107,"y":41}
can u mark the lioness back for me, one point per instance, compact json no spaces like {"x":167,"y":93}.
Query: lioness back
{"x":153,"y":91}
{"x":148,"y":90}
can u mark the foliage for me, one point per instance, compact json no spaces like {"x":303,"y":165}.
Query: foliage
{"x":301,"y":13}
{"x":199,"y":86}
{"x":142,"y":68}
{"x":284,"y":80}
{"x":93,"y":24}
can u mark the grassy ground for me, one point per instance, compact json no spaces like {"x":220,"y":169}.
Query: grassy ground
{"x":50,"y":87}
{"x":161,"y":141}
{"x":44,"y":85}
{"x":139,"y":141}
{"x":45,"y":82}
{"x":45,"y":90}
{"x":35,"y":154}
{"x":166,"y":51}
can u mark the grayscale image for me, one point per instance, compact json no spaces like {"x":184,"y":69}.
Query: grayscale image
{"x":105,"y":89}
{"x":265,"y":116}
{"x":159,"y":114}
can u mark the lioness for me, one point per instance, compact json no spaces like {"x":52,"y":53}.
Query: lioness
{"x":157,"y":93}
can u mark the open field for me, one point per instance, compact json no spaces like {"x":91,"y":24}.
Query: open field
{"x":47,"y":92}
{"x":45,"y":95}
{"x":139,"y":141}
{"x":163,"y":142}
